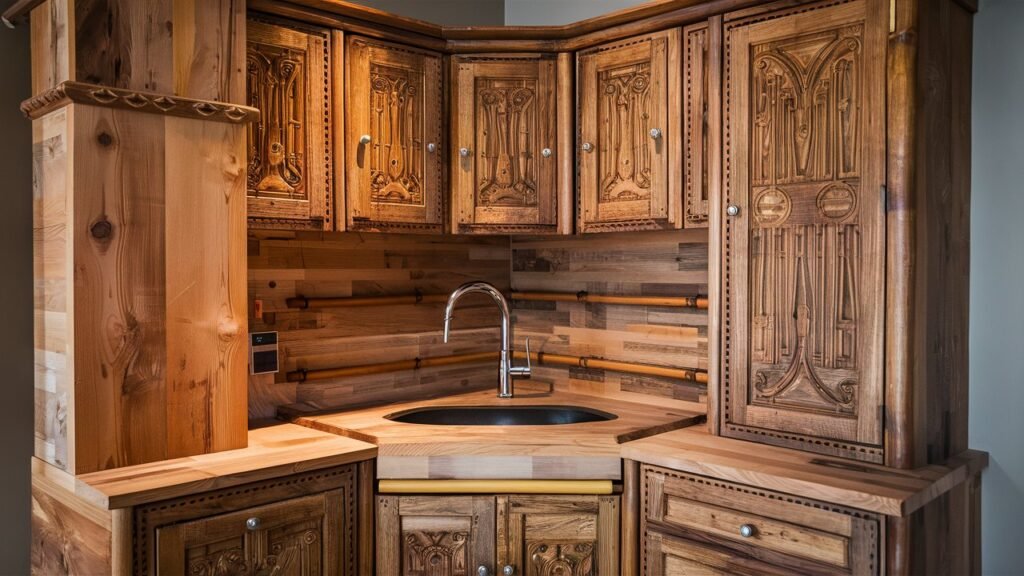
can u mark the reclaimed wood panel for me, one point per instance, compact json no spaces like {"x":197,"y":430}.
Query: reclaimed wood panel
{"x":69,"y":535}
{"x":284,"y":265}
{"x":667,"y":263}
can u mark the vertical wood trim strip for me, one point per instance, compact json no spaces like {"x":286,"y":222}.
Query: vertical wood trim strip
{"x":565,"y":104}
{"x":337,"y":210}
{"x":366,"y":476}
{"x":715,"y":214}
{"x":630,"y":529}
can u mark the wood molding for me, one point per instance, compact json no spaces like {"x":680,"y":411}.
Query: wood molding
{"x":95,"y":95}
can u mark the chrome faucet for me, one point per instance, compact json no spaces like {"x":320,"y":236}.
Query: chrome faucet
{"x":508,"y":371}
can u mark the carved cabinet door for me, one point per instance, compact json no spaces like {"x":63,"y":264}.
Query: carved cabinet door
{"x":505,"y":145}
{"x":393,"y":138}
{"x":435,"y":535}
{"x":556,"y":535}
{"x":290,"y":162}
{"x":629,"y":134}
{"x":702,"y":78}
{"x":804,"y":154}
{"x":301,"y":536}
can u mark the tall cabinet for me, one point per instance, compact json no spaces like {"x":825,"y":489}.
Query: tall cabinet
{"x":804,"y":230}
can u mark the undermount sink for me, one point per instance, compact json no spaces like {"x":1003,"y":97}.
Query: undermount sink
{"x":500,"y":415}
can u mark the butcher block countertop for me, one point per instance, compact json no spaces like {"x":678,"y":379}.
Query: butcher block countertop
{"x":571,"y":451}
{"x":275,"y":449}
{"x":867,"y":487}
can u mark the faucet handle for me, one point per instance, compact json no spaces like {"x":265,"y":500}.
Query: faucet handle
{"x":523,"y":371}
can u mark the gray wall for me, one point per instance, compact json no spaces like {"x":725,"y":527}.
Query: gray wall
{"x":556,"y":12}
{"x":997,"y":278}
{"x":15,"y":301}
{"x":450,"y":12}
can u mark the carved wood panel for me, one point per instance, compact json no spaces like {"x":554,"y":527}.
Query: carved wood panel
{"x":559,"y":535}
{"x":629,"y":138}
{"x":434,"y":535}
{"x":288,"y":74}
{"x":393,"y":137}
{"x":804,"y":161}
{"x":504,"y":116}
{"x":701,"y":79}
{"x":298,"y":536}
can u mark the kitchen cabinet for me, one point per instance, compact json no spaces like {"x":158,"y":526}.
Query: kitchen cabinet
{"x":300,"y":524}
{"x":697,"y":524}
{"x":507,"y":145}
{"x":804,"y":229}
{"x":290,"y":161}
{"x":701,"y":79}
{"x":628,"y":104}
{"x":393,"y":138}
{"x":533,"y":535}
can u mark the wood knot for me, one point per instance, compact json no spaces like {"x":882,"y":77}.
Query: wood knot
{"x":102,"y":230}
{"x":105,"y":139}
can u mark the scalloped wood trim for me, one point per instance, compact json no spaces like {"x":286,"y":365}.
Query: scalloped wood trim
{"x":95,"y":95}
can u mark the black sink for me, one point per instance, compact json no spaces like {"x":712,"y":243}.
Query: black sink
{"x":500,"y":415}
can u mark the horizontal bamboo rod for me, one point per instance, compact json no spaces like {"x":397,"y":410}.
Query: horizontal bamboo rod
{"x":699,"y":302}
{"x":304,"y":303}
{"x":495,"y":487}
{"x":543,"y":358}
{"x":385,"y":367}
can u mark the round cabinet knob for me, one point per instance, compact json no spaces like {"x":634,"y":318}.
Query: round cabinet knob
{"x":546,"y":152}
{"x":253,"y":523}
{"x":588,"y":147}
{"x":655,"y":133}
{"x":482,"y":571}
{"x":508,"y":571}
{"x":431,"y":147}
{"x":747,"y":530}
{"x":732,"y":210}
{"x":464,"y":152}
{"x":365,"y":139}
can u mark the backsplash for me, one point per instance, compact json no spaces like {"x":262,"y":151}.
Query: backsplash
{"x":284,"y":265}
{"x":669,"y":263}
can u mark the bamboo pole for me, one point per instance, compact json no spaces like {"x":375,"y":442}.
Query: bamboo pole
{"x":699,"y":302}
{"x":541,"y":358}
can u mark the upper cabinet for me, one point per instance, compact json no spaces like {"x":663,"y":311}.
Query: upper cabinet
{"x":702,"y":77}
{"x":507,"y":132}
{"x":804,"y":230}
{"x":393,"y":138}
{"x":629,"y":149}
{"x":288,"y":74}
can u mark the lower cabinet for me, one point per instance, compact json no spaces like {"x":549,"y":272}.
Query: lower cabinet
{"x":296,"y":525}
{"x":531,"y":535}
{"x":694,"y":524}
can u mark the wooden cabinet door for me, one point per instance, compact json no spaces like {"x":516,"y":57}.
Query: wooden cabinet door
{"x":555,"y":535}
{"x":393,"y":117}
{"x":289,"y":175}
{"x":504,"y":121}
{"x":293,"y":537}
{"x":804,"y":256}
{"x":666,"y":555}
{"x":435,"y":535}
{"x":629,"y":103}
{"x":702,"y":78}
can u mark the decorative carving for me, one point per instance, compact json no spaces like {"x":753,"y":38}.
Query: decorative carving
{"x":215,"y":560}
{"x":625,"y":105}
{"x":82,"y":93}
{"x":277,"y":143}
{"x":396,"y":147}
{"x":805,"y":239}
{"x":435,"y":553}
{"x":507,"y":117}
{"x":696,"y":133}
{"x":566,"y":558}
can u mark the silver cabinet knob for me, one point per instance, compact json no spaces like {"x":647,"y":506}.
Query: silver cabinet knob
{"x":431,"y":147}
{"x":747,"y":530}
{"x":464,"y":152}
{"x":508,"y":570}
{"x":655,"y":133}
{"x":588,"y":147}
{"x":546,"y":152}
{"x":732,"y":210}
{"x":365,"y":139}
{"x":253,"y":523}
{"x":483,"y":571}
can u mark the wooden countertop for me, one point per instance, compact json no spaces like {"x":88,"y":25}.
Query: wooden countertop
{"x":868,"y":487}
{"x":572,"y":451}
{"x":276,"y":449}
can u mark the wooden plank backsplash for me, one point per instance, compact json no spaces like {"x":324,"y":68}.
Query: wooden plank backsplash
{"x":283,"y":265}
{"x":668,"y":263}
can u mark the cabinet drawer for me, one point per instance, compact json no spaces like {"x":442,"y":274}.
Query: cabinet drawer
{"x":776,"y":528}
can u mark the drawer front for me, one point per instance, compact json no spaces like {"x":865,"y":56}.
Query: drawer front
{"x":783,"y":530}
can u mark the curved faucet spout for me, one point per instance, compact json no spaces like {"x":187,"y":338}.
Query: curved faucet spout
{"x":507,"y":370}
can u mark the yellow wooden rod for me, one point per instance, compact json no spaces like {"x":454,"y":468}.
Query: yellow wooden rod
{"x":699,"y":302}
